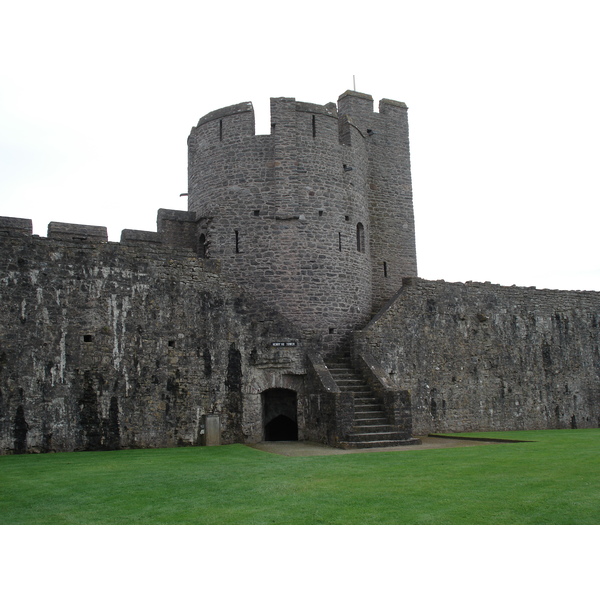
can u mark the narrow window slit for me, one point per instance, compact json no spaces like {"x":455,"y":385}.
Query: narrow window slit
{"x":385,"y":273}
{"x":237,"y":241}
{"x":314,"y":126}
{"x":221,"y":130}
{"x":360,"y":237}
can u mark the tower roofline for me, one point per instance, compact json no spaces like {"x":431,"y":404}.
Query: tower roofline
{"x":234,"y":109}
{"x":356,"y":95}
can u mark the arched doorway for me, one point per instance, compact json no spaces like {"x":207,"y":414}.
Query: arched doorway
{"x":280,"y":416}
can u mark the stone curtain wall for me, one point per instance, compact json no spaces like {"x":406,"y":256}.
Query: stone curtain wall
{"x":106,"y":346}
{"x":283,"y":212}
{"x":480,"y":357}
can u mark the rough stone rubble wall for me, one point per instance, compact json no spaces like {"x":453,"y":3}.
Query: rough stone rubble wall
{"x":388,"y":190}
{"x":106,"y":346}
{"x":282,"y":211}
{"x":482,"y":357}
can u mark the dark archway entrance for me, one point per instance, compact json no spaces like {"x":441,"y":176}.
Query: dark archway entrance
{"x":280,"y":420}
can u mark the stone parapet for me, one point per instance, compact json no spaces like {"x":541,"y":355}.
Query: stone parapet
{"x":14,"y":226}
{"x":75,"y":232}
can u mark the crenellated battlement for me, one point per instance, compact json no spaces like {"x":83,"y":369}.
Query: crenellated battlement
{"x":231,"y":123}
{"x":236,"y":109}
{"x":175,"y":229}
{"x":10,"y":226}
{"x":315,"y":218}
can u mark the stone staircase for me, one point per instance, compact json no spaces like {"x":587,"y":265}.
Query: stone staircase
{"x":370,"y":428}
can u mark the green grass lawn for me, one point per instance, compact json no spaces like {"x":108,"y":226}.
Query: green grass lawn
{"x":553,"y":481}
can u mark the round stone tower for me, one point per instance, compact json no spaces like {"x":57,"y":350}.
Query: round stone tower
{"x":315,"y":218}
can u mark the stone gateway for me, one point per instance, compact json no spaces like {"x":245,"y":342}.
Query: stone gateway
{"x":284,"y":304}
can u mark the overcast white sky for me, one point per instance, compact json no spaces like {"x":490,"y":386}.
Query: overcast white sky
{"x":97,"y":100}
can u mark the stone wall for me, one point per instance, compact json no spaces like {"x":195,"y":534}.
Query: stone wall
{"x":301,"y":216}
{"x":291,"y":240}
{"x":106,"y":346}
{"x":388,"y":190}
{"x":482,"y":357}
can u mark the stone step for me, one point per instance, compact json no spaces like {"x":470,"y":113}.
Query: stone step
{"x":377,"y":431}
{"x":379,"y":443}
{"x":370,"y":414}
{"x":355,"y":385}
{"x":348,"y":379}
{"x":378,"y":421}
{"x":366,"y":428}
{"x":345,"y":374}
{"x":370,"y":426}
{"x":381,"y":434}
{"x":372,"y":409}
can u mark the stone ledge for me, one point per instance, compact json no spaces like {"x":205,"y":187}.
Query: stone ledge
{"x":72,"y":231}
{"x":12,"y":225}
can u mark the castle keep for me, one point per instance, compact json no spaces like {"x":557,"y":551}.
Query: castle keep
{"x":315,"y":218}
{"x":284,"y":304}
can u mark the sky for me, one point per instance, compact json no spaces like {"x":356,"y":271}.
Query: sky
{"x":97,"y":101}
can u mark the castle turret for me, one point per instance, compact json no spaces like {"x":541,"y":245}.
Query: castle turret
{"x":388,"y":191}
{"x":316,"y":218}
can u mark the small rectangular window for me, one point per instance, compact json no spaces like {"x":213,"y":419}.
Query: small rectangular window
{"x":88,"y":338}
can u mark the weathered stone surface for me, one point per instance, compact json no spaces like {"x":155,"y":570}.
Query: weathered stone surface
{"x":284,"y":212}
{"x":107,"y":346}
{"x":213,"y":328}
{"x":479,"y":357}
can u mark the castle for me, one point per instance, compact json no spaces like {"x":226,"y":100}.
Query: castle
{"x":284,"y":304}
